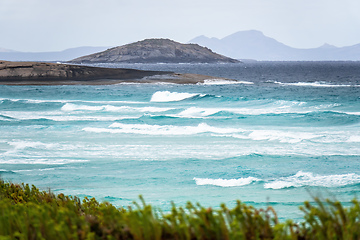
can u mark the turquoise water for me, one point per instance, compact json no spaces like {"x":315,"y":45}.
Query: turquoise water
{"x":284,"y":132}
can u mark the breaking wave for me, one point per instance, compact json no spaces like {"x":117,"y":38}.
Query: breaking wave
{"x":276,"y":107}
{"x":166,"y":96}
{"x":225,"y":182}
{"x":282,"y":136}
{"x":222,"y":82}
{"x":45,"y":161}
{"x":315,"y":84}
{"x":68,"y":107}
{"x":161,"y":129}
{"x":292,"y":137}
{"x":301,"y":179}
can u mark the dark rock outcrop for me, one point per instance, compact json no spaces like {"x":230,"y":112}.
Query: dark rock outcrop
{"x":54,"y":71}
{"x":156,"y":51}
{"x":36,"y":73}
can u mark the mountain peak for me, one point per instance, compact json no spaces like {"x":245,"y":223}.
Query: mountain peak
{"x":253,"y":44}
{"x":328,"y":46}
{"x":247,"y":33}
{"x":155,"y":41}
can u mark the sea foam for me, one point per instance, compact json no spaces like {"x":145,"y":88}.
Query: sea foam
{"x":282,"y":136}
{"x":196,"y":112}
{"x":32,"y":144}
{"x":222,"y":82}
{"x":301,"y":179}
{"x":259,"y":108}
{"x":46,"y":161}
{"x":68,"y":107}
{"x":225,"y":182}
{"x":315,"y":84}
{"x":355,"y":138}
{"x":161,"y":129}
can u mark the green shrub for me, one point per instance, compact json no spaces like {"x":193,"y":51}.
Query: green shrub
{"x":28,"y":213}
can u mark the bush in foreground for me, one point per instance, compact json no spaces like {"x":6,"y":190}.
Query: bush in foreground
{"x":27,"y":213}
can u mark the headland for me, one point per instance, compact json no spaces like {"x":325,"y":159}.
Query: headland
{"x":41,"y":73}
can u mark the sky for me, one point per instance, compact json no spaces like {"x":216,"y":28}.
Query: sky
{"x":55,"y":25}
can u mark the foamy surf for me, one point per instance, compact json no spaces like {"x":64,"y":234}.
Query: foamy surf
{"x":45,"y":161}
{"x":256,"y":108}
{"x":195,"y":112}
{"x":59,"y":116}
{"x":225,"y":182}
{"x":315,"y":84}
{"x":222,"y":82}
{"x":161,"y":129}
{"x":282,"y":136}
{"x":301,"y":179}
{"x":166,"y":96}
{"x":355,"y":138}
{"x":19,"y":145}
{"x":69,"y":107}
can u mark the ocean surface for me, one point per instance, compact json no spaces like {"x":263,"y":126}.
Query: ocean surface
{"x":284,"y":133}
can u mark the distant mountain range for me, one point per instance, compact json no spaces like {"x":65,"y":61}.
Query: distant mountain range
{"x":66,"y":55}
{"x":156,"y":51}
{"x":5,"y":50}
{"x":255,"y":45}
{"x":240,"y":45}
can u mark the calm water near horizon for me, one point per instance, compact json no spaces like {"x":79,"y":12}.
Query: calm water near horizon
{"x":286,"y":131}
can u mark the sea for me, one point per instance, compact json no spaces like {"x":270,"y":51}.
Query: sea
{"x":282,"y":134}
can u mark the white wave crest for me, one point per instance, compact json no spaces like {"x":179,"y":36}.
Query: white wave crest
{"x":60,"y":116}
{"x":226,"y":182}
{"x":355,"y":138}
{"x":282,"y":136}
{"x":32,"y":100}
{"x":222,"y":82}
{"x":195,"y":112}
{"x":29,"y":144}
{"x":349,"y":113}
{"x":47,"y":161}
{"x":25,"y":145}
{"x":67,"y":101}
{"x":68,"y":107}
{"x":316,"y":84}
{"x":161,"y":129}
{"x":277,"y":107}
{"x":87,"y":118}
{"x":301,"y":179}
{"x":166,"y":96}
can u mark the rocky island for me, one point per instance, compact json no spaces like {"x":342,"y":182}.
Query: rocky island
{"x":38,"y":73}
{"x":156,"y":51}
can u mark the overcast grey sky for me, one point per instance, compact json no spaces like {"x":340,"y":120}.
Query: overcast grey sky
{"x":53,"y":25}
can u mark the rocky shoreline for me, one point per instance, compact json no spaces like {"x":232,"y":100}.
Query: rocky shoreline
{"x":40,"y":73}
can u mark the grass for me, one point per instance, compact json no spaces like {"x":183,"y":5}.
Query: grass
{"x":28,"y":213}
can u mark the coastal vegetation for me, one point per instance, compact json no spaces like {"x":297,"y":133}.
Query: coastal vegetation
{"x":28,"y":213}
